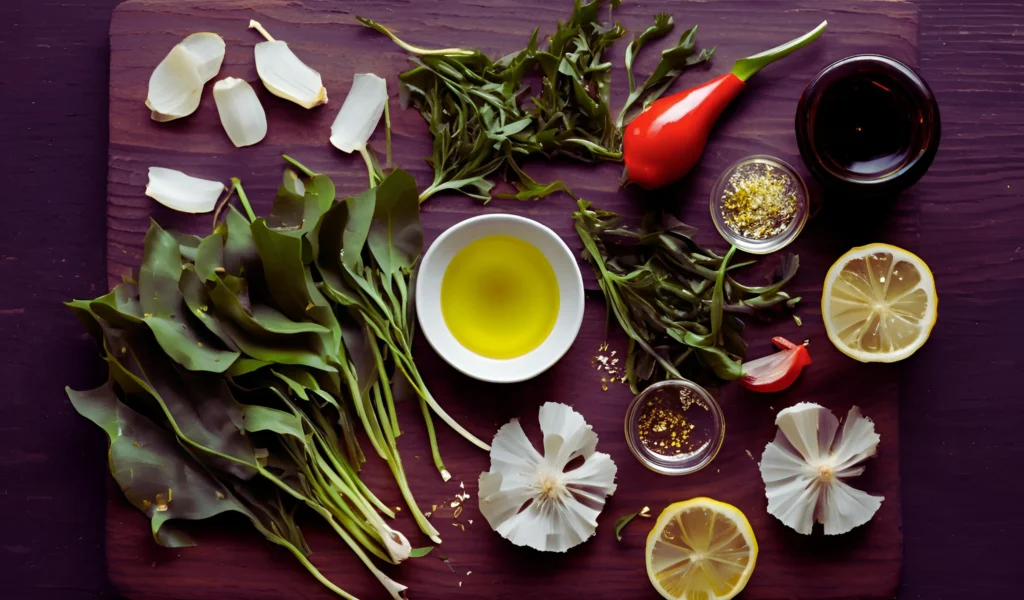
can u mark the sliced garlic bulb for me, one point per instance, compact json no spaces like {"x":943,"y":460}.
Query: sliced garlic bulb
{"x":176,"y":85}
{"x":804,"y":467}
{"x":240,"y":110}
{"x":531,"y":500}
{"x":360,"y":113}
{"x":284,"y":75}
{"x":181,"y":192}
{"x":208,"y":49}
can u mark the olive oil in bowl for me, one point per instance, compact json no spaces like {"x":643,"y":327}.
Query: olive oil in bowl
{"x":500,"y":297}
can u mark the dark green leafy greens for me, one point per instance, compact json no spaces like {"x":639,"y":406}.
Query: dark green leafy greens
{"x":242,"y":364}
{"x":677,"y":302}
{"x":482,"y":125}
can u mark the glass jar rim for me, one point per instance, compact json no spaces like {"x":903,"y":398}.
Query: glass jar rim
{"x":663,"y":465}
{"x":902,"y":74}
{"x":776,"y":242}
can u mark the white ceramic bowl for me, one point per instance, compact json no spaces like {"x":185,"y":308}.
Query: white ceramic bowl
{"x":570,"y":290}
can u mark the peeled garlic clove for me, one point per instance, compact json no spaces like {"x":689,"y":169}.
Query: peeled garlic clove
{"x":288,"y":77}
{"x":208,"y":49}
{"x":360,"y":113}
{"x":284,"y":74}
{"x":175,"y":86}
{"x":181,"y":192}
{"x":240,"y":110}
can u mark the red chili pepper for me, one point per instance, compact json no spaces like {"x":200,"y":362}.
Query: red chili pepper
{"x":776,"y":372}
{"x":665,"y":141}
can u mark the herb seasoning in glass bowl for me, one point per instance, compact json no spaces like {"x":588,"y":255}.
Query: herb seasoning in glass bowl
{"x":759,"y":204}
{"x":674,"y":427}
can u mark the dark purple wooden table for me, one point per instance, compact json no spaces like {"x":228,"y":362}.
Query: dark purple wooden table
{"x":962,"y":411}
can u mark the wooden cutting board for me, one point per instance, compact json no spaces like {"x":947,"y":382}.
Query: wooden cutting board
{"x":231,"y":561}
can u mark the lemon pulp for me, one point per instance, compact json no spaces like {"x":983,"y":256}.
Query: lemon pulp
{"x":879,"y":303}
{"x":701,"y":549}
{"x":499,"y":297}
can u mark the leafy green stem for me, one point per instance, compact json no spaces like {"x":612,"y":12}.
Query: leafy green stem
{"x":236,"y":184}
{"x":415,"y":49}
{"x":305,"y":170}
{"x":369,"y":166}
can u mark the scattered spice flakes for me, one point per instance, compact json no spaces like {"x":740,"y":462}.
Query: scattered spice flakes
{"x":760,"y":201}
{"x":608,"y":363}
{"x":645,"y":512}
{"x":749,"y":454}
{"x":470,"y":521}
{"x":460,"y":584}
{"x":468,"y":573}
{"x":458,"y":511}
{"x":445,"y":560}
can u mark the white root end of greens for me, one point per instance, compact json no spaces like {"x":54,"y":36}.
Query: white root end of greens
{"x":395,"y":542}
{"x":530,"y":499}
{"x":284,"y":75}
{"x":360,"y":113}
{"x":176,"y":85}
{"x":241,"y":113}
{"x":804,"y":467}
{"x":181,"y":192}
{"x":445,"y":475}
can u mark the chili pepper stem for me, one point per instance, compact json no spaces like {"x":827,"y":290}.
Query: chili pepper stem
{"x":745,"y":68}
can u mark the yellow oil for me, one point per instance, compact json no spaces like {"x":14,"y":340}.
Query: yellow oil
{"x":499,"y":297}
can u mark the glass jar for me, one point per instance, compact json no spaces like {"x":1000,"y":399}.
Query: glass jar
{"x":674,"y":427}
{"x":739,"y":173}
{"x":868,"y":124}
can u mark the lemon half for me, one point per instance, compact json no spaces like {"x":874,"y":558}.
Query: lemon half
{"x":701,"y":549}
{"x":879,"y":303}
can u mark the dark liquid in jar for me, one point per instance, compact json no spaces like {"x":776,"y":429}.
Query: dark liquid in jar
{"x":865,"y":125}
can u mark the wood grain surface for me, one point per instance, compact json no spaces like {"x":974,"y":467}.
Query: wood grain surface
{"x":960,"y":426}
{"x":229,"y":565}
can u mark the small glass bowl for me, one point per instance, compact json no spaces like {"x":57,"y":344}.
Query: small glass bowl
{"x":778,"y":241}
{"x":683,"y":464}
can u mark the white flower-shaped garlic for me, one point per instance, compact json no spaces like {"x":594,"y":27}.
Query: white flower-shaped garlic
{"x":532,"y":500}
{"x":804,"y":467}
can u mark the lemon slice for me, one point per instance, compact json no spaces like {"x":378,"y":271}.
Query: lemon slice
{"x":879,"y":303}
{"x":701,"y":549}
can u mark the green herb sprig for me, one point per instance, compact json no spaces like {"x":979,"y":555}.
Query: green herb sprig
{"x":482,"y":125}
{"x":677,"y":302}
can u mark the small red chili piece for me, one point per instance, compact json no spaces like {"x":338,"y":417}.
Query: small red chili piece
{"x":776,"y":372}
{"x":663,"y":143}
